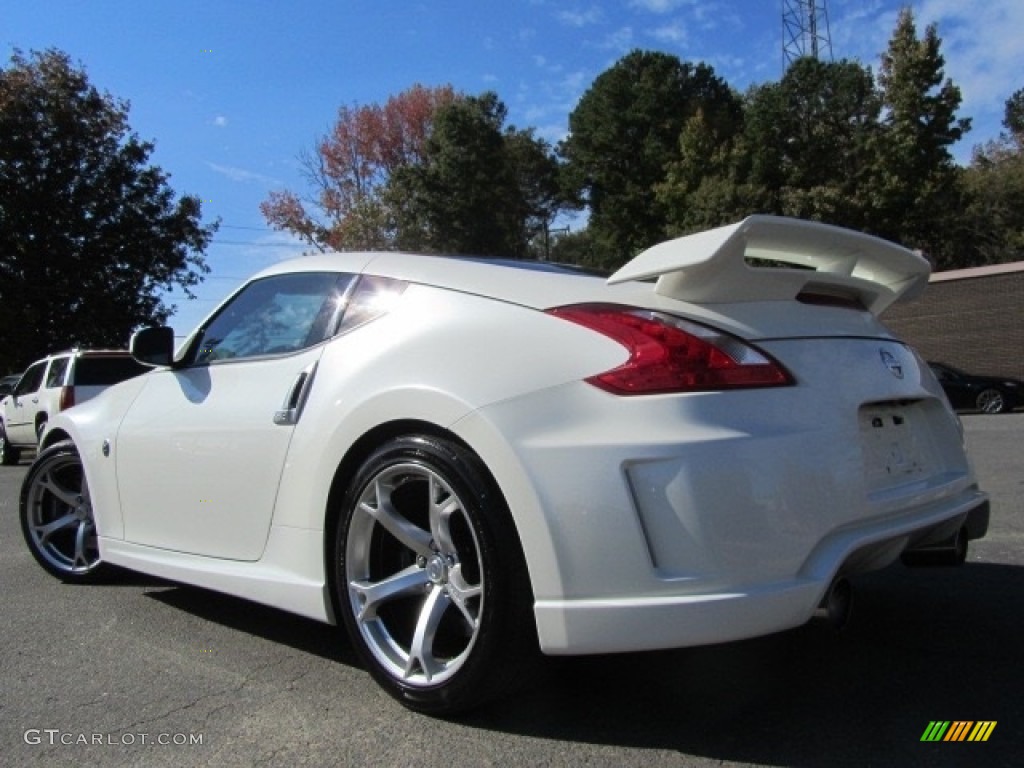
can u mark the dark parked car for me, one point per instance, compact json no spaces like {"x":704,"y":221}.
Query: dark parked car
{"x":988,"y":394}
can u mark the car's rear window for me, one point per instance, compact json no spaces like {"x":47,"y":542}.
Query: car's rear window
{"x":104,"y":371}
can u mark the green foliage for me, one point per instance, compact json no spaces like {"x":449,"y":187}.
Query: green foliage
{"x":915,"y":175}
{"x":995,"y":185}
{"x":584,"y":248}
{"x":624,"y":133}
{"x":810,"y":138}
{"x":90,"y":234}
{"x":1014,"y":117}
{"x":536,"y":194}
{"x":460,"y":192}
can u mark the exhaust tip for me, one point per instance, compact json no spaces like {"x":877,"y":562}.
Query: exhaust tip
{"x":834,"y":608}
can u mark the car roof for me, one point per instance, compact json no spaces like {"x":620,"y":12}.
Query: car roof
{"x":531,"y":283}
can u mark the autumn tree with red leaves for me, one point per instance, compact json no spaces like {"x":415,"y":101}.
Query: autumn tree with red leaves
{"x":351,"y":168}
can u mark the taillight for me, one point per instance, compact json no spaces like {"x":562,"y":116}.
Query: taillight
{"x":669,"y":354}
{"x":67,"y":398}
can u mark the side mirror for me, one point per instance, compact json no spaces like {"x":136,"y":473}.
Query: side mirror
{"x":153,"y":346}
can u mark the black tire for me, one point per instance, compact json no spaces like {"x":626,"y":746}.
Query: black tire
{"x":991,"y":400}
{"x":8,"y":456}
{"x":56,"y":516}
{"x":455,"y":626}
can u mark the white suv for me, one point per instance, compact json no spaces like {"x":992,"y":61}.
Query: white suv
{"x":54,"y":384}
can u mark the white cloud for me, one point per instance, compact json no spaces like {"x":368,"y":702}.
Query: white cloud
{"x":620,"y":40}
{"x":220,"y":121}
{"x":674,"y":33}
{"x":582,"y":18}
{"x":242,"y":175}
{"x":659,"y":6}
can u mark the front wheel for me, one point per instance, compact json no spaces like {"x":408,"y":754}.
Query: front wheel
{"x":991,"y":401}
{"x":56,"y":515}
{"x":430,"y":578}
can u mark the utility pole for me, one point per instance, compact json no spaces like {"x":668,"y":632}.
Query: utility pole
{"x":805,"y":31}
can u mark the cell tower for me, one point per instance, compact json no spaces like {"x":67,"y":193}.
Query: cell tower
{"x":805,"y":31}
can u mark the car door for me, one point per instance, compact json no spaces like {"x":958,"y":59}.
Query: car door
{"x":21,"y":408}
{"x":201,"y":449}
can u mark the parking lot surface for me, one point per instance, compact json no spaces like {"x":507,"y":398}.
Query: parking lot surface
{"x":146,"y":672}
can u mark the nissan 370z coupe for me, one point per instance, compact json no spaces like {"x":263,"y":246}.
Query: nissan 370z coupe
{"x":465,"y":460}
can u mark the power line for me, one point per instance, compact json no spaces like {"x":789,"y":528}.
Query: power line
{"x":254,"y":229}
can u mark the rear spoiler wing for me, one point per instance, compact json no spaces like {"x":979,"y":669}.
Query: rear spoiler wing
{"x":711,"y":267}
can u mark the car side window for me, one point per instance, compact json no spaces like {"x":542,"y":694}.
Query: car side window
{"x":55,"y":376}
{"x":32,"y":379}
{"x":275,"y":315}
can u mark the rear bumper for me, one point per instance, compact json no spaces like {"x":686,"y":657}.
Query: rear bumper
{"x":590,"y":626}
{"x":977,"y":521}
{"x":669,"y":521}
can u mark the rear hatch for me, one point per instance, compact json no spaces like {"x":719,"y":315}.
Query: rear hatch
{"x":809,"y":295}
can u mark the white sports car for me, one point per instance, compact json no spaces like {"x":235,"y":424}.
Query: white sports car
{"x":465,"y":460}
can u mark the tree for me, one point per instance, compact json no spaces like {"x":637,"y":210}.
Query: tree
{"x":623,"y":134}
{"x":481,"y":189}
{"x":707,"y":186}
{"x":537,"y":193}
{"x":1013,"y":118}
{"x":459,"y":194}
{"x":90,"y":234}
{"x":351,"y":168}
{"x":802,"y":150}
{"x":812,"y":139}
{"x":995,"y":185}
{"x":916,"y":178}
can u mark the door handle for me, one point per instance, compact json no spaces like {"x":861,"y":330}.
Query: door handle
{"x":295,"y":400}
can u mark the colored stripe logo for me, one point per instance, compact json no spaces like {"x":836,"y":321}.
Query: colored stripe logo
{"x":958,"y":730}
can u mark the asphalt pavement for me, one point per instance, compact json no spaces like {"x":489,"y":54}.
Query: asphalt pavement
{"x":143,"y":672}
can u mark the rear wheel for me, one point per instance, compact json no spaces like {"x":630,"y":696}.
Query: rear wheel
{"x":990,"y":401}
{"x":56,"y":515}
{"x":8,"y":455}
{"x":430,"y":577}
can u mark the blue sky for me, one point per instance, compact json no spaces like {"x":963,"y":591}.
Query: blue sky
{"x":232,"y":92}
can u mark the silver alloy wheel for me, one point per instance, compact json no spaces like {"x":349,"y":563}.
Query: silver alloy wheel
{"x":990,"y":401}
{"x":58,"y":515}
{"x":414,"y":574}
